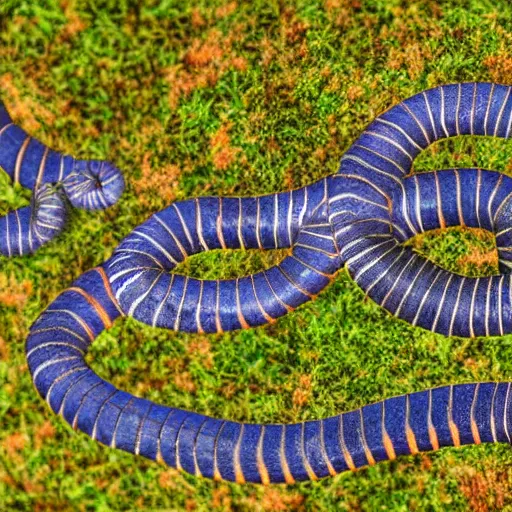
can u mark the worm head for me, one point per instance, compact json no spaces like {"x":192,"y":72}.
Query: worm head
{"x":94,"y":184}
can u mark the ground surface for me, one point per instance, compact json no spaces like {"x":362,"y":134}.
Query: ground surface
{"x":195,"y":98}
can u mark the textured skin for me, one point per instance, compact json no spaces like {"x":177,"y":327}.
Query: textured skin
{"x":52,"y":176}
{"x":357,"y":218}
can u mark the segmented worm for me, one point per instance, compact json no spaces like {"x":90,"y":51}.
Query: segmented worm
{"x":358,"y":218}
{"x":88,"y":184}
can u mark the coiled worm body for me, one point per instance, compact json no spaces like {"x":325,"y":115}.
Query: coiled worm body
{"x":358,"y":218}
{"x":52,"y":176}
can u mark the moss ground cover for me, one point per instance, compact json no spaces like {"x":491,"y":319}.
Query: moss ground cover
{"x":240,"y":97}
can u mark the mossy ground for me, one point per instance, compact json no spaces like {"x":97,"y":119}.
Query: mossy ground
{"x":216,"y":97}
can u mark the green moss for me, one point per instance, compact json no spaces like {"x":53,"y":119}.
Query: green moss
{"x":150,"y":85}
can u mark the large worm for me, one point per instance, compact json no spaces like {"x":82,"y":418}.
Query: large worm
{"x":358,"y":218}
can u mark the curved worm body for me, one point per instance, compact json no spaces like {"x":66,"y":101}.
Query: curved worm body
{"x":204,"y":446}
{"x":140,"y":269}
{"x":51,"y":175}
{"x":26,"y":229}
{"x":358,"y":218}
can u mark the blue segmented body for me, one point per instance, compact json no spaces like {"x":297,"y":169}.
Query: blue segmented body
{"x":358,"y":218}
{"x":52,"y":176}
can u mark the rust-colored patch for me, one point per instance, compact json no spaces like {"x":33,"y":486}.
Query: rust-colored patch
{"x":190,"y":504}
{"x":479,"y":258}
{"x":15,"y":443}
{"x":226,"y":10}
{"x":74,"y":24}
{"x":197,"y":19}
{"x":221,"y":498}
{"x":294,"y":29}
{"x":354,"y":92}
{"x":412,"y":57}
{"x":185,"y":382}
{"x":202,"y":54}
{"x":45,"y":431}
{"x":162,"y":182}
{"x":239,"y":63}
{"x":500,"y":68}
{"x":168,"y":478}
{"x":277,"y":499}
{"x":223,"y":154}
{"x":485,"y":491}
{"x":221,"y":137}
{"x":33,"y":487}
{"x":4,"y":350}
{"x":203,"y":64}
{"x":201,"y":349}
{"x":268,"y":51}
{"x":24,"y":110}
{"x":223,"y":158}
{"x":13,"y":293}
{"x":302,"y":392}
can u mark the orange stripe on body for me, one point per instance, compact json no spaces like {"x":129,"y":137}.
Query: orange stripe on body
{"x":267,"y":317}
{"x":305,"y":461}
{"x":432,"y":435}
{"x":218,"y":324}
{"x":454,"y":431}
{"x":288,"y":477}
{"x":346,"y":454}
{"x":388,"y":446}
{"x":108,"y":288}
{"x":475,"y":432}
{"x":260,"y":463}
{"x":440,"y":214}
{"x":239,"y":313}
{"x":411,"y":440}
{"x":19,"y":159}
{"x":239,"y":474}
{"x":105,"y":318}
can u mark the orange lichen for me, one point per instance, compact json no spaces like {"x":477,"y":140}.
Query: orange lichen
{"x":302,"y":392}
{"x":197,"y":19}
{"x":200,"y":349}
{"x":13,"y":293}
{"x":4,"y":350}
{"x":203,"y":63}
{"x":239,"y":63}
{"x":22,"y":109}
{"x":484,"y":491}
{"x":167,"y":478}
{"x":223,"y":154}
{"x":354,"y":92}
{"x":276,"y":499}
{"x":500,"y":68}
{"x":162,"y":182}
{"x":202,"y":54}
{"x":15,"y":443}
{"x":45,"y":431}
{"x":479,"y":258}
{"x":412,"y":56}
{"x":221,"y":497}
{"x":74,"y":24}
{"x":226,"y":10}
{"x":184,"y":382}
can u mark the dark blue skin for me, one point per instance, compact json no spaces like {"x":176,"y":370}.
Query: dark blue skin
{"x":358,"y":218}
{"x":52,"y":176}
